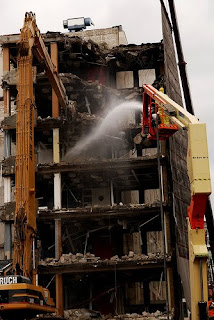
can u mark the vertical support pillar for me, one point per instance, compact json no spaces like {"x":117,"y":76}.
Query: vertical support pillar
{"x":146,"y":294}
{"x":7,"y":144}
{"x":57,"y":189}
{"x":91,"y":295}
{"x":171,"y":294}
{"x":8,"y":241}
{"x":6,"y":91}
{"x":170,"y":280}
{"x":7,"y":189}
{"x":59,"y":280}
{"x":58,"y":235}
{"x":59,"y":295}
{"x":167,"y":235}
{"x":55,"y":102}
{"x":8,"y":226}
{"x":112,"y":192}
{"x":56,"y":151}
{"x":7,"y":153}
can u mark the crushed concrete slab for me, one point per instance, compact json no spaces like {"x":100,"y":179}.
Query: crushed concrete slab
{"x":90,"y":258}
{"x":83,"y":314}
{"x":74,"y":314}
{"x":144,"y":316}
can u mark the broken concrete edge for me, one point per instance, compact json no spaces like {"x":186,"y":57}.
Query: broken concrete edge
{"x":81,"y":161}
{"x":91,"y":259}
{"x":79,"y":37}
{"x":72,"y":314}
{"x":8,"y":209}
{"x":84,"y":164}
{"x":75,"y":314}
{"x":98,"y":208}
{"x":9,"y":122}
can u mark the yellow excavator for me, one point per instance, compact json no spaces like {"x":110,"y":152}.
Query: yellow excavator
{"x":20,"y":295}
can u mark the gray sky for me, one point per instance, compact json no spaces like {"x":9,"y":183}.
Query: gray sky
{"x":141,"y":21}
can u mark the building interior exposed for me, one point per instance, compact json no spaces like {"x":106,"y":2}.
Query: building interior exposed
{"x":102,"y":248}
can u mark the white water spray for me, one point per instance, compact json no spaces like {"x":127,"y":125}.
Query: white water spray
{"x":111,"y":123}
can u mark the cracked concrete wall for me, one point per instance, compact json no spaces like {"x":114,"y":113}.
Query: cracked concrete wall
{"x":1,"y":69}
{"x":111,"y":36}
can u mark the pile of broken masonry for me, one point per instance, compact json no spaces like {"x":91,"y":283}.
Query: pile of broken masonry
{"x":71,"y":258}
{"x":84,"y":314}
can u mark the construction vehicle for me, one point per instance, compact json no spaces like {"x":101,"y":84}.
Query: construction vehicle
{"x":162,"y":117}
{"x":20,"y":295}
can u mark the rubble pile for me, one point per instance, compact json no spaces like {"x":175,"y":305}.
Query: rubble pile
{"x":144,"y":316}
{"x":84,"y":314}
{"x":138,"y":257}
{"x":71,"y":258}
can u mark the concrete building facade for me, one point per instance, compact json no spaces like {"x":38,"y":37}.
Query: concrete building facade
{"x":100,"y":240}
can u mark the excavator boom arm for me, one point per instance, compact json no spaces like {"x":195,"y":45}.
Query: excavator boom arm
{"x":31,"y":44}
{"x":31,"y":40}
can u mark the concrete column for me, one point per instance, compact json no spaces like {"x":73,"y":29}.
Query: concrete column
{"x":7,"y":144}
{"x":58,"y":243}
{"x":8,"y":241}
{"x":167,"y":235}
{"x":54,"y":58}
{"x":171,"y":288}
{"x":57,"y":189}
{"x":56,"y":150}
{"x":6,"y":68}
{"x":112,"y":193}
{"x":91,"y":295}
{"x":7,"y":153}
{"x":8,"y":226}
{"x":7,"y":189}
{"x":58,"y":235}
{"x":59,"y":295}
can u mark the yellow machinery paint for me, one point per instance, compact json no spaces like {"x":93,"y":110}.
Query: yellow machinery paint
{"x":200,"y":184}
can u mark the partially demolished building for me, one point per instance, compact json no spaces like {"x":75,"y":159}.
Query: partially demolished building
{"x":100,"y":239}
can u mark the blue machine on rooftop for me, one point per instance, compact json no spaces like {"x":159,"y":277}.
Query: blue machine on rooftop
{"x":77,"y":24}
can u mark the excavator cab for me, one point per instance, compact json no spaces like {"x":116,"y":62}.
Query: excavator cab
{"x":20,"y":299}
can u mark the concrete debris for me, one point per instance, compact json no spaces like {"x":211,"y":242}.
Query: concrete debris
{"x":91,"y":258}
{"x":144,"y":316}
{"x":101,"y":209}
{"x":85,"y":314}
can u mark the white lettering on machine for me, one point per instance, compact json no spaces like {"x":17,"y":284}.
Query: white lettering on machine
{"x":8,"y":280}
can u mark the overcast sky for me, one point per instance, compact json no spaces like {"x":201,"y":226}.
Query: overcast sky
{"x":141,"y":21}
